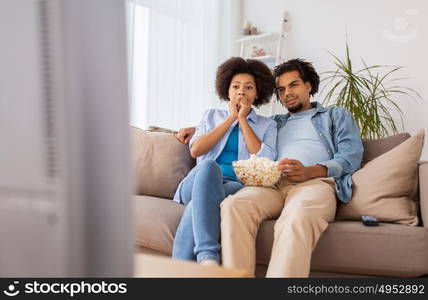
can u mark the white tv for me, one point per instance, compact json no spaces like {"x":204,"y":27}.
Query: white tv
{"x":65,"y":187}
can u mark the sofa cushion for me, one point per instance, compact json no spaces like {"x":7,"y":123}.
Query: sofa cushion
{"x":345,"y":247}
{"x":160,"y":162}
{"x":156,"y":221}
{"x":351,"y":247}
{"x":387,"y":187}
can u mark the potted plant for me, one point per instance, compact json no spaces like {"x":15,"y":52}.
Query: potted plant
{"x":368,"y":94}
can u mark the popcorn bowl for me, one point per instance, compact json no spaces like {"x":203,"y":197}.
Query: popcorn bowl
{"x":257,"y":171}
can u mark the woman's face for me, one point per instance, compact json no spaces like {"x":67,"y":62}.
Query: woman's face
{"x":242,"y":89}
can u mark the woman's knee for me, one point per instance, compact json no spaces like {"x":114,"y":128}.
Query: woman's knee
{"x":209,"y":167}
{"x":232,"y":187}
{"x":207,"y":163}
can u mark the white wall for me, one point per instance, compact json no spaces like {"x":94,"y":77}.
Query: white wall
{"x":389,"y":32}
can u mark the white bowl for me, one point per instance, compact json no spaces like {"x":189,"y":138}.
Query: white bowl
{"x":257,"y":171}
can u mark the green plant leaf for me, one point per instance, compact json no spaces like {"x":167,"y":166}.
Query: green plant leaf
{"x":368,"y":94}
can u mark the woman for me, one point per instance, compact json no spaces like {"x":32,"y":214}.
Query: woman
{"x":221,"y":137}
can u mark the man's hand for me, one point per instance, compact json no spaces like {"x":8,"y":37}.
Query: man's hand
{"x":296,"y":172}
{"x":185,"y":134}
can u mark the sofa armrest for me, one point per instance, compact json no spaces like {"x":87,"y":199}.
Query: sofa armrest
{"x":423,"y":191}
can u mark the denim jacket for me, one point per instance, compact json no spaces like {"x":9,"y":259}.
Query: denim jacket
{"x":264,"y":128}
{"x":341,"y":137}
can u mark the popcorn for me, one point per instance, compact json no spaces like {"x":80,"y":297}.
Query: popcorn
{"x":257,"y":171}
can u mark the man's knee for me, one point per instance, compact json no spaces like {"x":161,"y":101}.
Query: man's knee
{"x":297,"y":215}
{"x":230,"y":204}
{"x":237,"y":206}
{"x":301,"y":217}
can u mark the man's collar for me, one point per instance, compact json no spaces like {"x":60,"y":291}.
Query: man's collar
{"x":318,"y":108}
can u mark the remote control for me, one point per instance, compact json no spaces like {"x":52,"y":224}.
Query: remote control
{"x":369,"y":221}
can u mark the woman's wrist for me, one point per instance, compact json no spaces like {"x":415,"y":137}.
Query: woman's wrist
{"x":231,"y":118}
{"x":242,"y":119}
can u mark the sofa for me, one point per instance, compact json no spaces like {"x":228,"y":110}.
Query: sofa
{"x":346,"y":249}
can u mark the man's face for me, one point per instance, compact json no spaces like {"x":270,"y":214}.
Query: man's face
{"x":293,"y":92}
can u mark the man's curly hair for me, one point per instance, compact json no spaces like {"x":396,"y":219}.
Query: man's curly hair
{"x":265,"y":84}
{"x":306,"y":71}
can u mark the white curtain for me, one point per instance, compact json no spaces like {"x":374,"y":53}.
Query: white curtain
{"x":175,"y":49}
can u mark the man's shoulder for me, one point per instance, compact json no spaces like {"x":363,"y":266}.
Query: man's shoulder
{"x":337,"y":112}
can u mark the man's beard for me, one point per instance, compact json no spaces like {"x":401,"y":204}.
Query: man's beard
{"x":295,"y":108}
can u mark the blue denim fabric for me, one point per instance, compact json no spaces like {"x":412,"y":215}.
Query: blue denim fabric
{"x":263,"y":127}
{"x":198,"y":234}
{"x":341,"y":137}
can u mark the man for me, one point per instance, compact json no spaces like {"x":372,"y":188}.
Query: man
{"x":318,"y":150}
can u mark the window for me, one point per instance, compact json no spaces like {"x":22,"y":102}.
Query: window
{"x":176,"y":47}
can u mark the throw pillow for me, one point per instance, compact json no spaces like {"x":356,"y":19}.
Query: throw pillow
{"x":375,"y":147}
{"x":387,"y":186}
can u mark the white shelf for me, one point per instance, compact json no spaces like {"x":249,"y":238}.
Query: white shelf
{"x":263,"y":57}
{"x":266,"y":42}
{"x":264,"y":37}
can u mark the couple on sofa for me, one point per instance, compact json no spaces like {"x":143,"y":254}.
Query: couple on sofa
{"x":318,"y":150}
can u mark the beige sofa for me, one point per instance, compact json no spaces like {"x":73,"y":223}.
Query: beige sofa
{"x":346,"y":248}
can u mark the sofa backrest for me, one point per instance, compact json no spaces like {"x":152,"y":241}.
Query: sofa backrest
{"x":375,"y":147}
{"x":160,"y":161}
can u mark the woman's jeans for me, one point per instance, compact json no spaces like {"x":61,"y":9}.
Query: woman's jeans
{"x":198,"y":234}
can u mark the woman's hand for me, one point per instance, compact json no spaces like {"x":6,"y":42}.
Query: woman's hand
{"x":251,"y":140}
{"x":233,"y":109}
{"x":244,"y":110}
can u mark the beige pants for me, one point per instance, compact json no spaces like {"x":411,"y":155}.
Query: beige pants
{"x":304,"y":210}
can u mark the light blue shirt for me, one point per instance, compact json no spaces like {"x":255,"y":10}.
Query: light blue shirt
{"x":299,"y":140}
{"x":341,"y":138}
{"x":264,"y":128}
